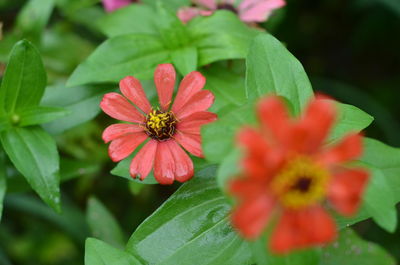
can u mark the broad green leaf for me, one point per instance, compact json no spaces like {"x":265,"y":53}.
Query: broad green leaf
{"x":5,"y":122}
{"x":81,"y":102}
{"x":379,"y":201}
{"x":34,"y":153}
{"x":122,"y":170}
{"x":3,"y":180}
{"x":133,"y":54}
{"x":221,"y":36}
{"x":386,"y":159}
{"x":103,"y":224}
{"x":171,"y":4}
{"x":131,"y":19}
{"x":40,"y":115}
{"x":24,"y":80}
{"x":100,"y":253}
{"x":350,"y":249}
{"x":349,"y":119}
{"x":263,"y":256}
{"x":271,"y":68}
{"x":185,"y":59}
{"x":71,"y":220}
{"x":218,"y":137}
{"x":33,"y":18}
{"x":191,"y":227}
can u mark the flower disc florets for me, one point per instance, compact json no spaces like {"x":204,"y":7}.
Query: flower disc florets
{"x":160,"y":125}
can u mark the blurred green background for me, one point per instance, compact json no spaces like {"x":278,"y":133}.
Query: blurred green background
{"x":350,"y":49}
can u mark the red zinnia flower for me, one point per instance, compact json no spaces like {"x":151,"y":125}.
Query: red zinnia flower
{"x":166,"y":128}
{"x":288,"y":174}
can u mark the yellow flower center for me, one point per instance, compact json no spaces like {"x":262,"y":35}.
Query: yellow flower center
{"x":301,"y":183}
{"x":160,"y":125}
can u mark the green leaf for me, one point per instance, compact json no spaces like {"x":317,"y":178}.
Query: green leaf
{"x":34,"y":153}
{"x":24,"y":80}
{"x":131,"y":19}
{"x":81,"y":102}
{"x":103,"y":224}
{"x":122,"y":170}
{"x":171,"y":4}
{"x":271,"y":68}
{"x":349,"y":119}
{"x":191,"y":227}
{"x":221,"y":36}
{"x":100,"y":253}
{"x":33,"y":18}
{"x":379,"y":201}
{"x":3,"y":180}
{"x":133,"y":54}
{"x":185,"y":59}
{"x":40,"y":115}
{"x":350,"y":249}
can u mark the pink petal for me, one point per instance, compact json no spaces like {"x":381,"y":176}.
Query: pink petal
{"x":123,"y":146}
{"x":142,"y":163}
{"x":164,"y":165}
{"x":183,"y":164}
{"x":164,"y":78}
{"x":190,"y":85}
{"x":191,"y":142}
{"x":119,"y":108}
{"x":210,"y":4}
{"x":192,"y":123}
{"x":117,"y":130}
{"x":133,"y":90}
{"x":185,"y":14}
{"x":200,"y":101}
{"x":258,"y":10}
{"x":111,"y":5}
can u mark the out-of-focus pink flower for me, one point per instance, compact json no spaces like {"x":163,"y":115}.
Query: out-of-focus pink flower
{"x":111,"y":5}
{"x":249,"y":11}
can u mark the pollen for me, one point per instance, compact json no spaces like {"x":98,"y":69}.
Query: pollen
{"x":160,"y":125}
{"x":301,"y":183}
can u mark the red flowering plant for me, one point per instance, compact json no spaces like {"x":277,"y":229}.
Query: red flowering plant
{"x":290,"y":174}
{"x":167,"y":128}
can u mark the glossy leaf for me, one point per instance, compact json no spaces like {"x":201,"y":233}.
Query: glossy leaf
{"x":191,"y":227}
{"x":40,"y":115}
{"x":271,"y":68}
{"x":100,"y":253}
{"x":103,"y":224}
{"x":82,"y":104}
{"x":34,"y":153}
{"x":133,"y":54}
{"x":350,"y":249}
{"x":131,"y":19}
{"x":221,"y":36}
{"x":24,"y":80}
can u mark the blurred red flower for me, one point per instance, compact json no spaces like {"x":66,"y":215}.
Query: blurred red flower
{"x":111,"y":5}
{"x":289,"y":174}
{"x":166,"y":128}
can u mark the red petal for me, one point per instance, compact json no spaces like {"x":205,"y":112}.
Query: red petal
{"x":316,"y":124}
{"x":346,"y":189}
{"x":183,"y":164}
{"x":143,"y":161}
{"x":119,"y":108}
{"x":164,"y":78}
{"x":164,"y":166}
{"x":200,"y":101}
{"x":117,"y":130}
{"x":190,"y":85}
{"x":133,"y":90}
{"x":192,"y":123}
{"x":123,"y":146}
{"x":251,"y":216}
{"x":274,"y":118}
{"x":303,"y":228}
{"x":348,"y":149}
{"x":191,"y":142}
{"x":244,"y":187}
